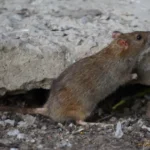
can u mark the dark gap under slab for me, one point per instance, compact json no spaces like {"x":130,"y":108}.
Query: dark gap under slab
{"x":32,"y":98}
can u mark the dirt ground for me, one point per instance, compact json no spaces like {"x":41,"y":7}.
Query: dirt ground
{"x":27,"y":132}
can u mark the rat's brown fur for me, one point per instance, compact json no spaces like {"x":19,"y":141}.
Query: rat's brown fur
{"x":76,"y":92}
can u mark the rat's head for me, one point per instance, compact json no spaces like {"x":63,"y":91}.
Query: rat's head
{"x":131,"y":44}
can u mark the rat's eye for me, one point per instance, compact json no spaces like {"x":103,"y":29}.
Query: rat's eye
{"x":139,"y":37}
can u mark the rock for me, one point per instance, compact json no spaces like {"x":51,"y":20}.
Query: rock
{"x":13,"y":132}
{"x":2,"y":123}
{"x":13,"y":148}
{"x":10,"y":122}
{"x":30,"y":120}
{"x":64,"y":143}
{"x":20,"y":136}
{"x":40,"y":146}
{"x":35,"y":47}
{"x":118,"y":132}
{"x":39,"y":39}
{"x":22,"y":124}
{"x":24,"y":66}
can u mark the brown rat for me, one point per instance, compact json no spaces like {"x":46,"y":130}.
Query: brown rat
{"x":76,"y":92}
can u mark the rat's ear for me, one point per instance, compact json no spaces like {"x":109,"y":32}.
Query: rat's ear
{"x":123,"y":43}
{"x":116,"y":34}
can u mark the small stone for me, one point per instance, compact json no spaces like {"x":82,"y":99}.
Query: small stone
{"x":4,"y":116}
{"x":13,"y":132}
{"x":10,"y":122}
{"x":71,"y":125}
{"x":29,"y":119}
{"x":145,"y":127}
{"x":44,"y":128}
{"x":32,"y":141}
{"x":14,"y":149}
{"x":22,"y":124}
{"x":64,"y":143}
{"x":140,"y":122}
{"x":40,"y":146}
{"x":130,"y":128}
{"x":2,"y":123}
{"x":20,"y":136}
{"x":118,"y":133}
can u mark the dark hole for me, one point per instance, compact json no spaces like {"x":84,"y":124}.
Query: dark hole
{"x":32,"y":98}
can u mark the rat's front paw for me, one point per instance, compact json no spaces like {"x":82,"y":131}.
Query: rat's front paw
{"x":134,"y":76}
